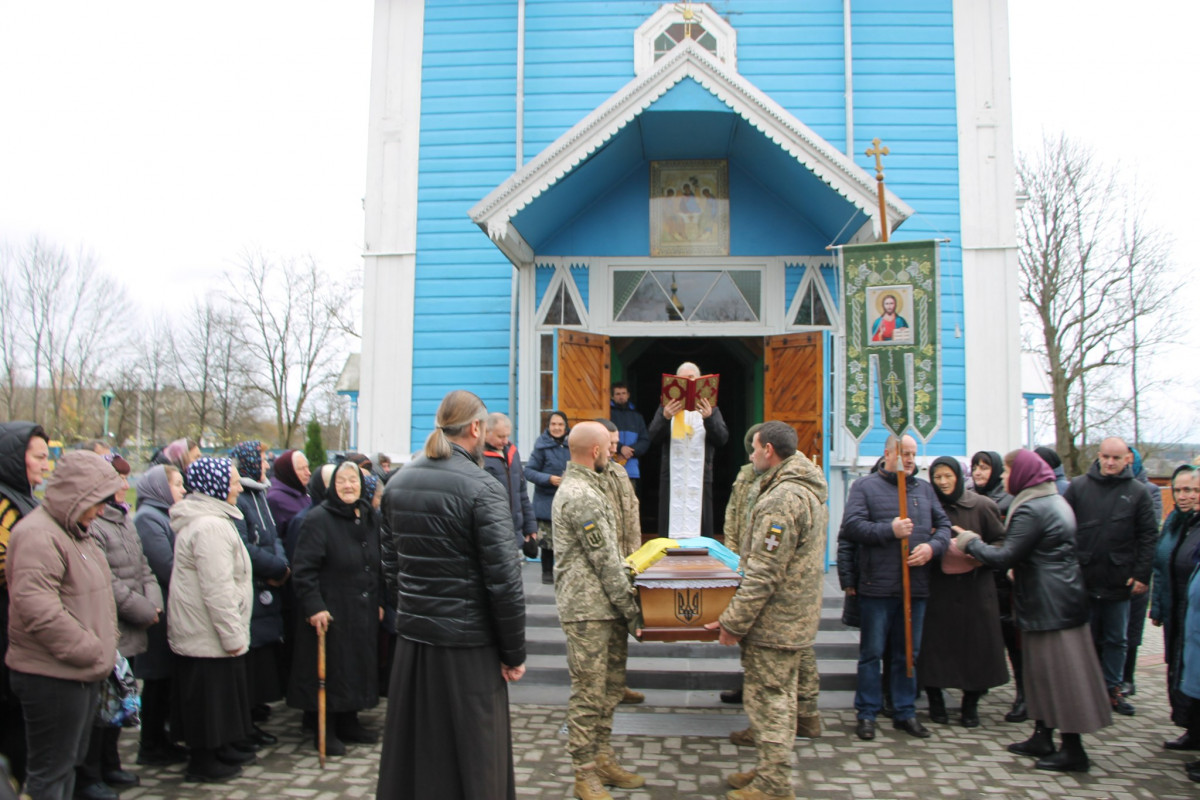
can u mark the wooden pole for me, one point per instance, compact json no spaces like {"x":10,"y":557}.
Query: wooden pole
{"x":321,"y":696}
{"x":878,"y":152}
{"x":902,"y":489}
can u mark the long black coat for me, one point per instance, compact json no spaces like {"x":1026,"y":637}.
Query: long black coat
{"x":337,"y":569}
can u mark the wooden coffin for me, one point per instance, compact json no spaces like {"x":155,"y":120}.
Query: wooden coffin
{"x":683,"y":592}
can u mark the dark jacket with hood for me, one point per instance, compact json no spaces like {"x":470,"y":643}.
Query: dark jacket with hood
{"x":870,"y":509}
{"x":16,"y":500}
{"x":267,"y":558}
{"x":506,"y":467}
{"x":1116,"y":532}
{"x":62,"y":617}
{"x":458,"y":575}
{"x":153,"y":524}
{"x":550,"y":457}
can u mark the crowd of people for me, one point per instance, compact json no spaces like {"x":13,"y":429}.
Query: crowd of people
{"x":233,"y":571}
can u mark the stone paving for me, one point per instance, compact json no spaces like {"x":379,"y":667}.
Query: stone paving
{"x":1128,"y":760}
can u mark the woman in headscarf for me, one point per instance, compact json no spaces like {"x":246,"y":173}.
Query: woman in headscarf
{"x":987,"y":470}
{"x":209,"y":608}
{"x":158,"y":489}
{"x":1173,"y":567}
{"x":962,"y":647}
{"x":339,"y":591}
{"x":544,"y":470}
{"x":1064,"y":687}
{"x":288,"y":495}
{"x":271,"y":571}
{"x":139,"y":605}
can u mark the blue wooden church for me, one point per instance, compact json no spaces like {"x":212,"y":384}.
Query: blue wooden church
{"x":566,"y":193}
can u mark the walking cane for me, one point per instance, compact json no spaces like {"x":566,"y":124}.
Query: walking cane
{"x":321,"y":696}
{"x":902,"y":487}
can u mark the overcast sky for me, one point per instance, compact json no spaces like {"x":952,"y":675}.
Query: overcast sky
{"x":168,"y":137}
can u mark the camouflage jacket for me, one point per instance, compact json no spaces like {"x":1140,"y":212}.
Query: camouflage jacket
{"x":741,"y":500}
{"x":625,"y":507}
{"x":590,"y":581}
{"x":779,"y":601}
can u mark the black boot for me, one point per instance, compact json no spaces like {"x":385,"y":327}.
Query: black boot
{"x":1039,"y":745}
{"x":970,"y":709}
{"x":349,"y":729}
{"x":204,"y":766}
{"x":937,"y":705}
{"x":1018,"y":712}
{"x":1128,"y":681}
{"x":548,"y":566}
{"x":333,"y":745}
{"x":1070,"y":758}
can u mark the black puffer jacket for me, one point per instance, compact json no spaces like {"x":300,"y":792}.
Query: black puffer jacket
{"x":458,"y":575}
{"x":1117,"y":532}
{"x":1039,"y":547}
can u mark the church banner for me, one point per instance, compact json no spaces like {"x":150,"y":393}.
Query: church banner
{"x":892,"y":327}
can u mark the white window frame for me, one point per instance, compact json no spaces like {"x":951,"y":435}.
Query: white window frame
{"x":672,"y":14}
{"x":813,"y":277}
{"x":562,"y":276}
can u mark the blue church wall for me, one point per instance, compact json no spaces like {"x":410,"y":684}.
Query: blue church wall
{"x":577,"y":55}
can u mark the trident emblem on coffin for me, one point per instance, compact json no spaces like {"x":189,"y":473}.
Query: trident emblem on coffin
{"x":687,"y":605}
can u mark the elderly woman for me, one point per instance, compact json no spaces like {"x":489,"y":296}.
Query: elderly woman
{"x":544,"y":470}
{"x":339,"y":592}
{"x":62,"y":621}
{"x":1173,"y":567}
{"x":288,"y":495}
{"x":962,"y":647}
{"x":1063,"y":685}
{"x":271,"y":571}
{"x":158,"y":489}
{"x":139,"y":604}
{"x":209,"y":608}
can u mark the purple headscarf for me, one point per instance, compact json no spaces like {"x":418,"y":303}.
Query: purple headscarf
{"x":1028,"y":469}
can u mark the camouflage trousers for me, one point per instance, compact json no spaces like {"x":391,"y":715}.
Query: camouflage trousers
{"x":545,"y":540}
{"x":808,"y":684}
{"x":769,"y":697}
{"x":596,"y":653}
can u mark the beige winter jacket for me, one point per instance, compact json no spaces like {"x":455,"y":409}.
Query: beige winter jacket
{"x":212,"y":592}
{"x":62,"y":620}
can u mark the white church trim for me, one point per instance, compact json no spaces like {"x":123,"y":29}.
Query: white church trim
{"x":494,"y":212}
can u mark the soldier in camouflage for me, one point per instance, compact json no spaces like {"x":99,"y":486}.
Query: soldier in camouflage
{"x":775,"y":612}
{"x":618,"y":488}
{"x":598,"y":607}
{"x":737,"y":518}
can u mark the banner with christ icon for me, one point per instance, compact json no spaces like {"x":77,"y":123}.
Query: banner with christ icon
{"x":892,"y":327}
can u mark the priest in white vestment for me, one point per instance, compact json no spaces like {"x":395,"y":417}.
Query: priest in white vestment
{"x":689,"y":440}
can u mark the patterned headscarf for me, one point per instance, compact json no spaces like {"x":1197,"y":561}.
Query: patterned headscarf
{"x":370,"y":484}
{"x":249,"y":459}
{"x":210,"y":476}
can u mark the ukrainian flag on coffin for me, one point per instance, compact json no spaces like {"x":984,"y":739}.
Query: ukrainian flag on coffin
{"x":715,"y":549}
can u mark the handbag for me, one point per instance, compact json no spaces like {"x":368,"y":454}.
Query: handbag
{"x":120,"y":703}
{"x":956,"y":562}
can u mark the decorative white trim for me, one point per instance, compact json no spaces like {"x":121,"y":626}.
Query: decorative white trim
{"x":813,"y":277}
{"x":494,"y":212}
{"x":672,"y":14}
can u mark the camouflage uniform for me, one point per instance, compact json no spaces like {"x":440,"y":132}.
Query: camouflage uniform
{"x":777,"y":608}
{"x":597,"y":606}
{"x":625,"y":507}
{"x":741,"y":500}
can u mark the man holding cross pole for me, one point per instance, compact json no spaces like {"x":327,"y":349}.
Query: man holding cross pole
{"x":875,"y":521}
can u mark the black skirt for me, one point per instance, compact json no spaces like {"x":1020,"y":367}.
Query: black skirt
{"x":447,"y":735}
{"x":210,"y":701}
{"x":262,"y":673}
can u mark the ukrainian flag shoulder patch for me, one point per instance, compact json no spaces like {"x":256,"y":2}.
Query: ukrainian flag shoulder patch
{"x":591,"y":534}
{"x":773,"y":539}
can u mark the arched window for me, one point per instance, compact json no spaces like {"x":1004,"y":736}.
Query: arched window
{"x":675,"y":22}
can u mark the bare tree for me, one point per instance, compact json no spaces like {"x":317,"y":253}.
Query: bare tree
{"x":291,"y":325}
{"x":194,"y":354}
{"x":13,"y":315}
{"x":1076,"y":274}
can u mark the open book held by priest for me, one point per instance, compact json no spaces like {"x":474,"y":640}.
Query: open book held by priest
{"x":689,"y":390}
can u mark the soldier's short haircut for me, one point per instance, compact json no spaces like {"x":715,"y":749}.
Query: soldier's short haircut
{"x":608,"y":424}
{"x":781,"y":436}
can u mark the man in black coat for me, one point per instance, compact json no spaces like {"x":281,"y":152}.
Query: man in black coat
{"x":1115,"y":537}
{"x":633,"y":439}
{"x":872,"y":521}
{"x":502,"y":461}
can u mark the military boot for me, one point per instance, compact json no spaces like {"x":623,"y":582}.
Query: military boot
{"x":808,"y":726}
{"x":632,"y":698}
{"x":743,"y":738}
{"x":740,"y":780}
{"x":751,"y":793}
{"x":613,"y":774}
{"x":588,"y":786}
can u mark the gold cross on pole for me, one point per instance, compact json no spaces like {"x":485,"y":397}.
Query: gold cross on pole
{"x":878,"y":152}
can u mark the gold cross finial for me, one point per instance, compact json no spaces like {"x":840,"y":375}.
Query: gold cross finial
{"x":878,"y":152}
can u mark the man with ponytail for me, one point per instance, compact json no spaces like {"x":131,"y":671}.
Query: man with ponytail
{"x":461,"y":619}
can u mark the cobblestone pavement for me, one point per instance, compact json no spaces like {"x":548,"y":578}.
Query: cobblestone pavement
{"x":683,"y":753}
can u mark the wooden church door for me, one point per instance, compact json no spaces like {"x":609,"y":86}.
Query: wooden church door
{"x":583,"y":375}
{"x":793,"y":377}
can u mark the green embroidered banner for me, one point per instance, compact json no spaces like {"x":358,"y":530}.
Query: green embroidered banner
{"x":892,"y":325}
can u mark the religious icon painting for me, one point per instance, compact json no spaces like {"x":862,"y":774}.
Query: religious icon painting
{"x":889,"y":314}
{"x":689,"y":208}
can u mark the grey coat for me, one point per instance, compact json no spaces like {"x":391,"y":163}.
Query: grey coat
{"x":135,"y":589}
